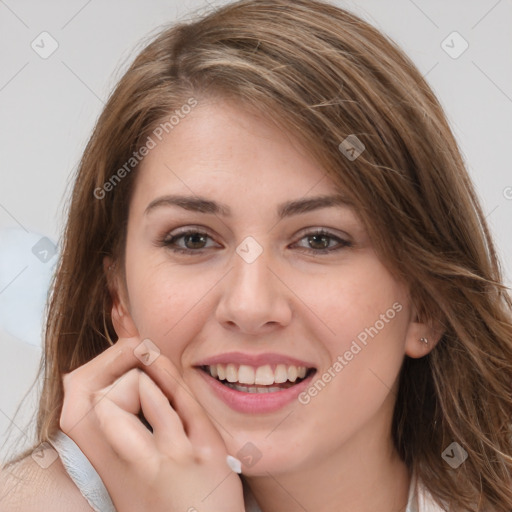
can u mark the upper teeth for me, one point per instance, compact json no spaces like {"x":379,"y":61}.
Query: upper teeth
{"x":262,"y":375}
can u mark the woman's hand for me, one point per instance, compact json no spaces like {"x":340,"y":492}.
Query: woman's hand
{"x":179,"y":467}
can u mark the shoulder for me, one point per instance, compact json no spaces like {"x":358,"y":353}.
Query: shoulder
{"x":28,"y":487}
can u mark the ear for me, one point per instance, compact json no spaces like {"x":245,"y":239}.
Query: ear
{"x":121,"y":318}
{"x":414,"y":346}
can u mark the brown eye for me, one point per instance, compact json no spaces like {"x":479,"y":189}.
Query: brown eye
{"x":189,"y":242}
{"x":195,"y":240}
{"x":320,"y":242}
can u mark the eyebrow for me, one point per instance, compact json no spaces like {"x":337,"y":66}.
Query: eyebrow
{"x":287,"y":209}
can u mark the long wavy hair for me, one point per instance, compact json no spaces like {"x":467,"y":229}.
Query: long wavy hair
{"x":322,"y":74}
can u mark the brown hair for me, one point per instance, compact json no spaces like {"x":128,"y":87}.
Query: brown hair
{"x":322,"y":74}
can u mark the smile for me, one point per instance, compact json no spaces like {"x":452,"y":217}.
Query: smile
{"x":262,"y":379}
{"x":256,"y":384}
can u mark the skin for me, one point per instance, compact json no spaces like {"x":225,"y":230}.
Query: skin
{"x":324,"y":455}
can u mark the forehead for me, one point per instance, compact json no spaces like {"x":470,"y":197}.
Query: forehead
{"x":222,"y":148}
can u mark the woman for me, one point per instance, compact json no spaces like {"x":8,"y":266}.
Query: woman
{"x":263,"y":271}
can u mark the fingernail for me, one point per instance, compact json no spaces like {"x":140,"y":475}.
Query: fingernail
{"x":234,"y":464}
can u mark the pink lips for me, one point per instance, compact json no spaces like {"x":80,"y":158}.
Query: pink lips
{"x":255,"y":403}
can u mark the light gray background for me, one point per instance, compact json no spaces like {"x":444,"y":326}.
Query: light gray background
{"x":48,"y":108}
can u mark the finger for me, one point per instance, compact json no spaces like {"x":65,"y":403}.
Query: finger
{"x":79,"y":417}
{"x":168,"y":430}
{"x":82,"y":384}
{"x":108,"y":366}
{"x":94,"y":430}
{"x":196,"y":420}
{"x":124,"y":433}
{"x":136,"y":390}
{"x":124,"y":392}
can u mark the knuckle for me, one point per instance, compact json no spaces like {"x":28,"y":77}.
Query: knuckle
{"x":135,"y":373}
{"x":204,"y":453}
{"x":67,"y":417}
{"x":183,"y":454}
{"x":64,"y":423}
{"x":97,"y":397}
{"x":71,"y":380}
{"x":67,"y":380}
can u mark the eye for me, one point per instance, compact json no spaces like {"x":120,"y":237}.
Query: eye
{"x":321,"y":241}
{"x":192,"y":241}
{"x":188,"y":241}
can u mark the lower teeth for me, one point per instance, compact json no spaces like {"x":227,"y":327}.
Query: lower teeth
{"x":253,"y":389}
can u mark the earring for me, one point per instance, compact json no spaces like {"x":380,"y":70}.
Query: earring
{"x":424,"y":340}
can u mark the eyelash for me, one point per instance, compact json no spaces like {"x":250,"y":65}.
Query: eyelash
{"x":170,"y":241}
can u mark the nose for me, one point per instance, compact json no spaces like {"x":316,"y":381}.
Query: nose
{"x":254,"y":299}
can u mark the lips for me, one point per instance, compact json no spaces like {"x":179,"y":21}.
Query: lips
{"x":256,"y":383}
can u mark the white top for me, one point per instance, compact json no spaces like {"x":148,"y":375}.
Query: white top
{"x":94,"y":491}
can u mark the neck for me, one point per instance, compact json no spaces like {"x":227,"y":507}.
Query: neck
{"x":363,"y":480}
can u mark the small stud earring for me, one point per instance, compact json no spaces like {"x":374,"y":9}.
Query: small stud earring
{"x":424,"y":340}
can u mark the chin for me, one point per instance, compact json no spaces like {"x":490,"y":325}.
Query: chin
{"x":260,"y":454}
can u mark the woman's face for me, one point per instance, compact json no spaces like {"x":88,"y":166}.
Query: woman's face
{"x":258,"y":288}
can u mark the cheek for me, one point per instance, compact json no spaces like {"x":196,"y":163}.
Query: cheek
{"x":168,"y":303}
{"x":359,"y":301}
{"x":368,"y":310}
